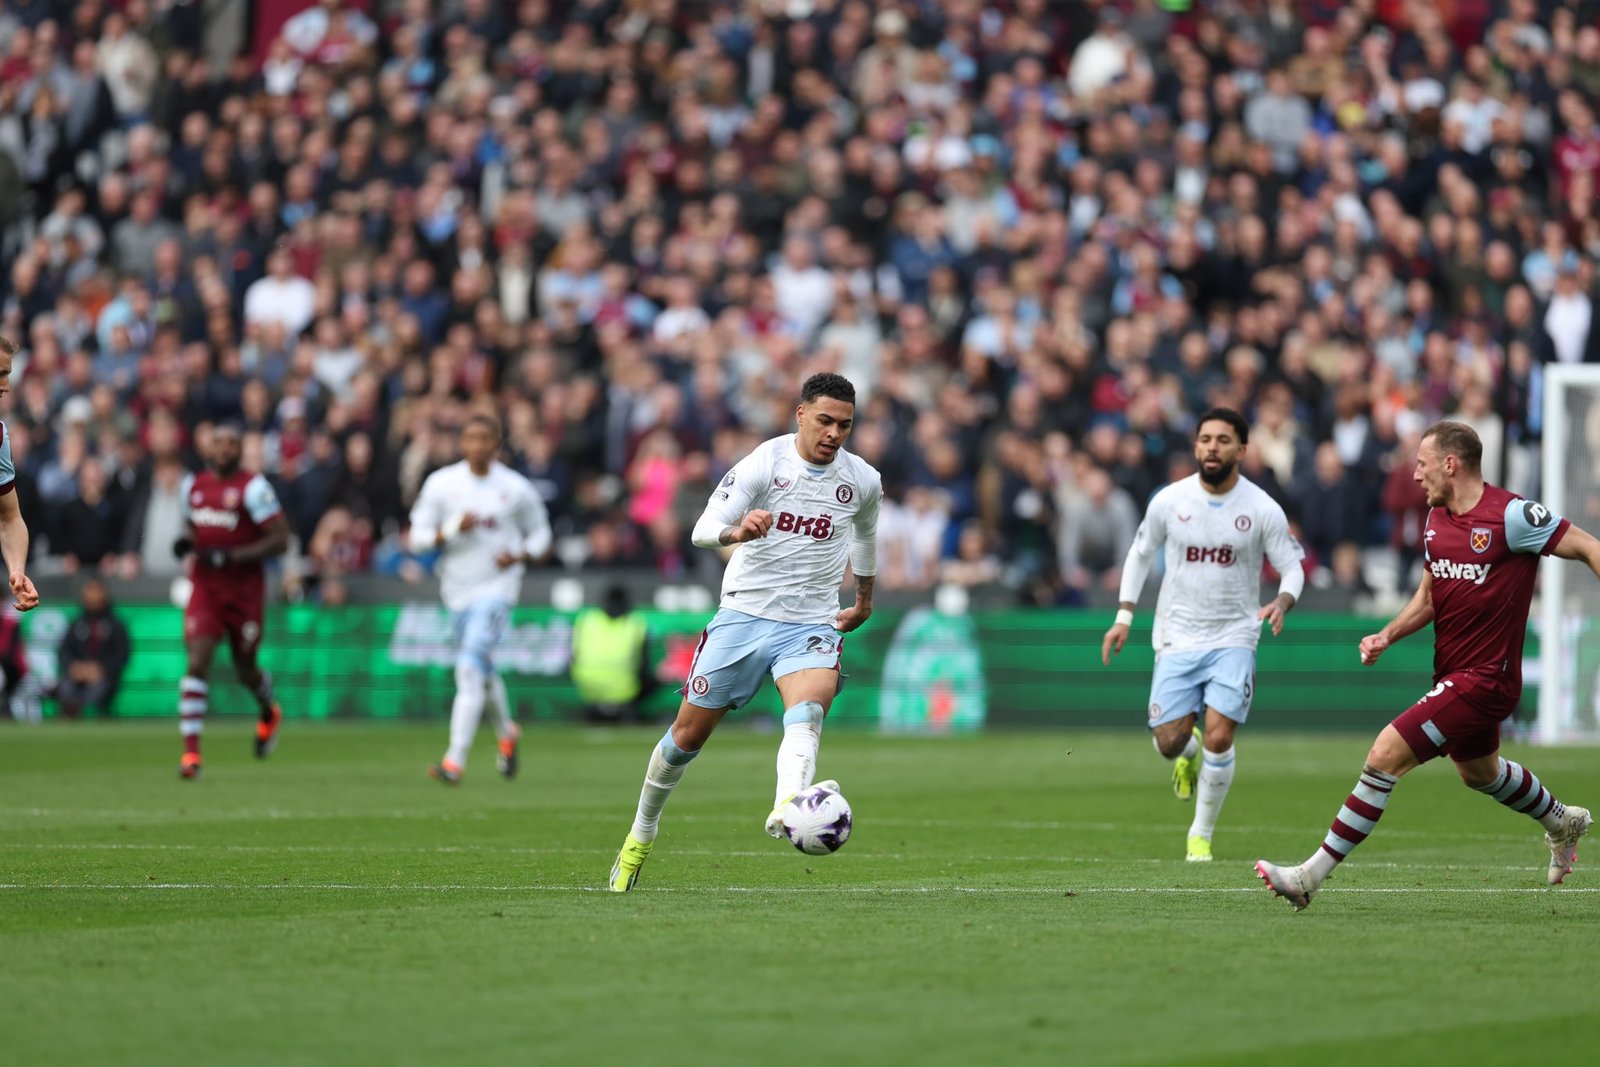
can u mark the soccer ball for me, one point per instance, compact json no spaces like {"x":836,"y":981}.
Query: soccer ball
{"x":817,"y":821}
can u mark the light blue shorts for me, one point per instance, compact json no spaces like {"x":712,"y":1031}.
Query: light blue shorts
{"x":478,"y":630}
{"x":1190,"y":682}
{"x":738,"y":650}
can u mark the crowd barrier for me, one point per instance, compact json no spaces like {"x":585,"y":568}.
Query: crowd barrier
{"x":908,"y":670}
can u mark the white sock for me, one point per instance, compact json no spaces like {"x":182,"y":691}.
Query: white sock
{"x":465,"y":713}
{"x":661,"y":776}
{"x":797,"y":755}
{"x":498,"y":704}
{"x":1216,"y":775}
{"x":1189,"y":750}
{"x":1318,"y":867}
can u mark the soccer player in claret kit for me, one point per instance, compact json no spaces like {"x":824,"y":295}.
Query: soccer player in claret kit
{"x":1216,"y":526}
{"x":232,"y":526}
{"x":1482,"y":546}
{"x":799,"y":507}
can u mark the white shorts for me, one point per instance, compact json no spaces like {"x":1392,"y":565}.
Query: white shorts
{"x":478,"y":629}
{"x":1189,"y":682}
{"x":737,"y":651}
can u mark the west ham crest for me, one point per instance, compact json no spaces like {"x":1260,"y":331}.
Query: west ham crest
{"x":1481,"y":539}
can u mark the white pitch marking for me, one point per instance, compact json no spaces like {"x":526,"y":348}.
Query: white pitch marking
{"x":517,"y":850}
{"x":610,"y":815}
{"x":766,"y":890}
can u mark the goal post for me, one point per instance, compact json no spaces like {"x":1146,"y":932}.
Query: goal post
{"x":1569,"y":616}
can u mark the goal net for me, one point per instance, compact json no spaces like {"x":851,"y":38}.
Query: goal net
{"x":1569,"y":617}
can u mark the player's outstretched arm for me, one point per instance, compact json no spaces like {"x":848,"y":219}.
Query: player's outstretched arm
{"x":14,"y":544}
{"x":1417,"y":613}
{"x":1575,"y":544}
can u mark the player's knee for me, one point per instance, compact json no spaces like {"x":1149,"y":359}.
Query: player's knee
{"x":1219,"y":739}
{"x":693,"y":728}
{"x":807,"y":713}
{"x":470,"y":673}
{"x":689,"y":736}
{"x":1173,"y":737}
{"x":1475,"y":774}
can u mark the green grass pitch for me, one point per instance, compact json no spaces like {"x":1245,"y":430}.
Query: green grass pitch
{"x":1006,"y":899}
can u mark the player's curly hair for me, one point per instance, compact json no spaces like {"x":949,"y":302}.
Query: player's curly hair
{"x":833,"y":386}
{"x":1229,"y":416}
{"x":1459,"y":440}
{"x":8,"y":346}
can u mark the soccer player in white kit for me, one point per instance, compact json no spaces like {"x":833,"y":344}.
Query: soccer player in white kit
{"x":800,"y":507}
{"x":1217,"y":526}
{"x":490,"y":523}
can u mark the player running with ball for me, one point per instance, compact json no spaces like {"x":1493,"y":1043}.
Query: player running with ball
{"x":1482,"y":546}
{"x":799,"y":507}
{"x":1217,"y":526}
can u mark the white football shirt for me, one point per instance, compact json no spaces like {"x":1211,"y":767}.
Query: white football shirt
{"x":820,"y":521}
{"x":511,"y":518}
{"x":1215,"y":546}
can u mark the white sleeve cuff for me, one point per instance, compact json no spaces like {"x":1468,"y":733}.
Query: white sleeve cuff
{"x":1294,"y":581}
{"x":707,"y":532}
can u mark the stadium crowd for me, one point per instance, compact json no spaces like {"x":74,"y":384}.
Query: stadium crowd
{"x":1038,"y":236}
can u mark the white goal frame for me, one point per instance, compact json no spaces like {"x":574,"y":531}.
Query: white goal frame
{"x":1557,"y":722}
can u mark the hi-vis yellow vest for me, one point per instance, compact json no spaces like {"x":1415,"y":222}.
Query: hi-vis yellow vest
{"x":605,"y":657}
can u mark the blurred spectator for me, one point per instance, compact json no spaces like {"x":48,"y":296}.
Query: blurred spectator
{"x":1280,"y":118}
{"x":1097,"y":528}
{"x":1329,"y":505}
{"x":156,"y":516}
{"x":1406,"y":505}
{"x":973,"y":564}
{"x":1477,"y":411}
{"x":1569,"y":317}
{"x":911,"y":539}
{"x":366,"y":487}
{"x":341,"y":546}
{"x":91,"y":527}
{"x":92,"y":654}
{"x":280,"y":296}
{"x":129,"y":66}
